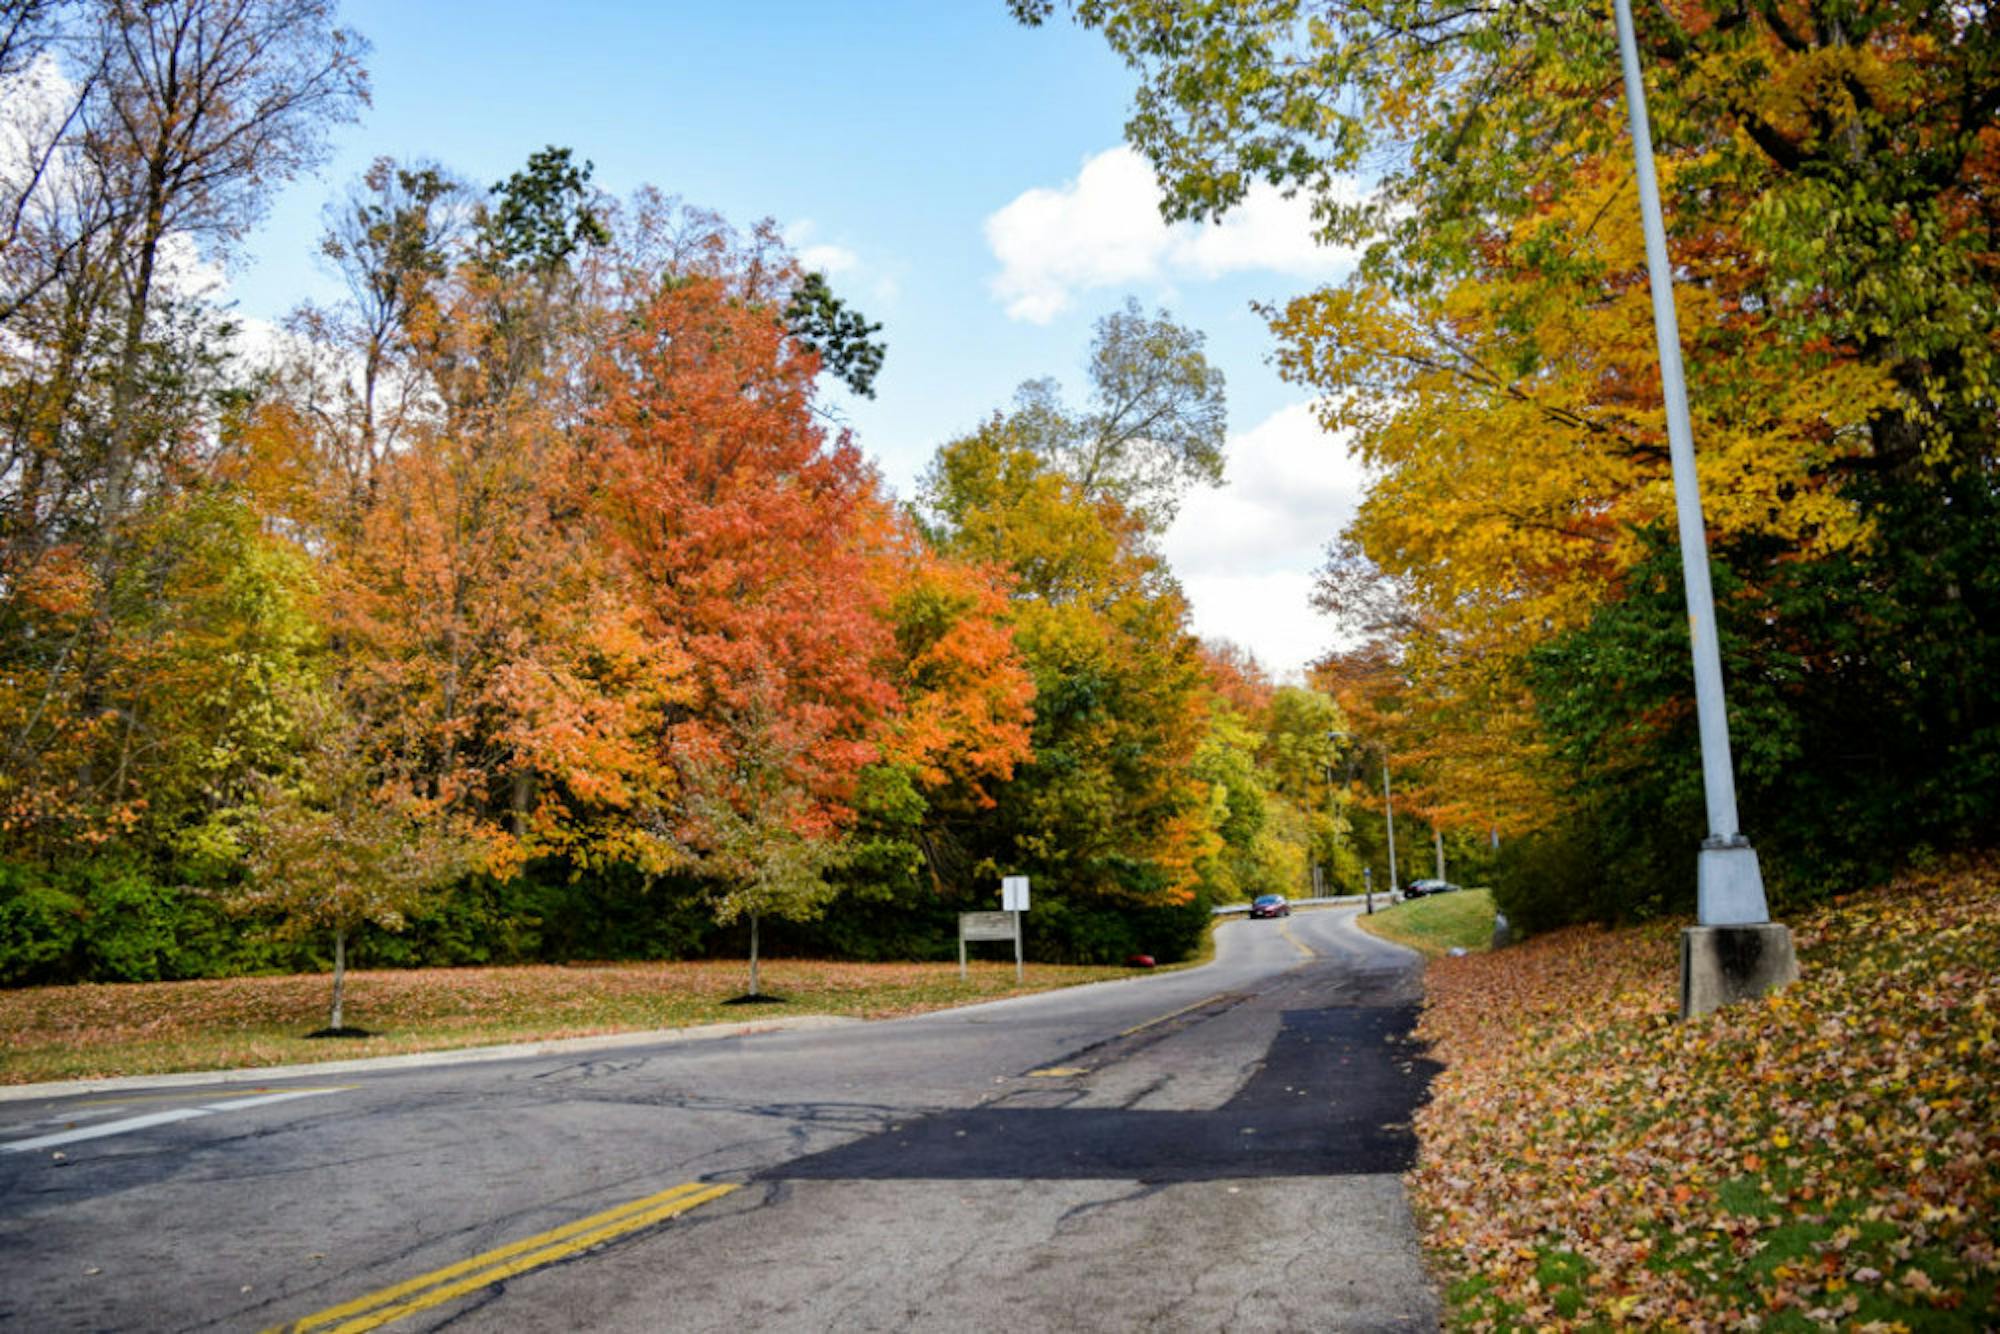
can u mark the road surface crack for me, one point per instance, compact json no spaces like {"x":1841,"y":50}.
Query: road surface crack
{"x":1140,"y":1190}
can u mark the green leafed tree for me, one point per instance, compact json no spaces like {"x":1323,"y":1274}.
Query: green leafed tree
{"x":1104,"y":813}
{"x":543,"y":214}
{"x":1240,"y":864}
{"x":842,"y":336}
{"x":756,"y":853}
{"x":1154,"y":425}
{"x":340,"y":846}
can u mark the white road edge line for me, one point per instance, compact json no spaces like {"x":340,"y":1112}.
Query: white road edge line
{"x":264,"y":1099}
{"x":108,"y":1128}
{"x":149,"y":1120}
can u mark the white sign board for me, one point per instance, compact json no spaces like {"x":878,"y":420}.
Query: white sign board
{"x":1014,"y":893}
{"x":986,"y":925}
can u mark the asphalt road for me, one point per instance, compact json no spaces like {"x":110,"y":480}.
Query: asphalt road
{"x":1211,"y":1149}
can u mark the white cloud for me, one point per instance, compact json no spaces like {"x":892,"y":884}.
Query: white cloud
{"x":262,"y":344}
{"x":1103,"y":229}
{"x":1271,"y":615}
{"x":828,"y":259}
{"x":1289,"y":489}
{"x":33,"y":103}
{"x":1246,"y":551}
{"x":1265,"y":231}
{"x":818,"y":256}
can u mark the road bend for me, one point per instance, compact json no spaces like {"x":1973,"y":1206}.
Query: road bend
{"x":1218,"y":1148}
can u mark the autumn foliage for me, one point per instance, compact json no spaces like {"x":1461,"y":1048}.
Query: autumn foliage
{"x":549,"y":522}
{"x":740,"y":532}
{"x":1507,"y":588}
{"x":1828,"y":1156}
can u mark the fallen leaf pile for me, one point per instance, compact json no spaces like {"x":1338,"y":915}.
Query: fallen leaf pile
{"x":1827,"y":1157}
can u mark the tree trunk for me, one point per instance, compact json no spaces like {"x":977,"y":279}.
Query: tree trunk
{"x":119,"y":466}
{"x":339,"y":976}
{"x":753,"y":955}
{"x":1437,"y":838}
{"x":523,"y":800}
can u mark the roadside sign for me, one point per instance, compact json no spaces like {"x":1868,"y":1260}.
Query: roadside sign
{"x":986,"y":925}
{"x":989,"y":926}
{"x":1014,"y":893}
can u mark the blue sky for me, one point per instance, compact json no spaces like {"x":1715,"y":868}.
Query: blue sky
{"x":959,"y":177}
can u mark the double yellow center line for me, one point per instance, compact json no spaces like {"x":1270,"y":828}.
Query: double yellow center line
{"x":442,"y":1285}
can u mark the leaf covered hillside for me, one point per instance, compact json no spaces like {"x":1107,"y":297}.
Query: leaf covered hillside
{"x":1827,"y":1157}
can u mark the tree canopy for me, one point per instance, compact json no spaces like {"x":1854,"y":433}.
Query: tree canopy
{"x":1828,"y":178}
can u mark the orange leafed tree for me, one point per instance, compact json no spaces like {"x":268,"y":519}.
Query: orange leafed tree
{"x":735,"y":522}
{"x":967,"y":696}
{"x":1236,"y":677}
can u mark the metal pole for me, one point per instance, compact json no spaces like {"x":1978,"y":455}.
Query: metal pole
{"x":1332,"y":836}
{"x":1017,"y":949}
{"x":1389,"y":818}
{"x":1731,"y":888}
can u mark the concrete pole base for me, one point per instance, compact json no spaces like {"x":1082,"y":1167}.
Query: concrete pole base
{"x":1721,"y":964}
{"x":1729,"y":885}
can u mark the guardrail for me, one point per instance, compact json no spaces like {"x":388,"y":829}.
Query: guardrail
{"x":1238,"y":909}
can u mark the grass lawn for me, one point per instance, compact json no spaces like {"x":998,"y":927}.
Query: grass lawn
{"x":1827,"y":1157}
{"x":154,"y":1027}
{"x":1438,"y":923}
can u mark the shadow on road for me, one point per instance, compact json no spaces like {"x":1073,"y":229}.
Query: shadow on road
{"x":1333,"y":1098}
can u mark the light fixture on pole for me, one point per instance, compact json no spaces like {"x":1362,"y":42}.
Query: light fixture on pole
{"x":1729,"y":883}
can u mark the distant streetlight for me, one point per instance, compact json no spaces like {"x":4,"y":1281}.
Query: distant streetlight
{"x":1388,"y":817}
{"x":1729,"y":884}
{"x":1333,"y":824}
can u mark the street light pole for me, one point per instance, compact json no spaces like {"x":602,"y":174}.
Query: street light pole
{"x":1389,"y":818}
{"x":1729,"y":884}
{"x":1333,"y":833}
{"x":1731,"y":888}
{"x":1333,"y":818}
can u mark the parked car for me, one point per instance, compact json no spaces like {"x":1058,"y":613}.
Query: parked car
{"x":1270,"y":905}
{"x":1418,"y":889}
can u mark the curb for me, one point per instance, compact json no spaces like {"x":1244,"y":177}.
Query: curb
{"x":514,"y":1051}
{"x":419,"y":1059}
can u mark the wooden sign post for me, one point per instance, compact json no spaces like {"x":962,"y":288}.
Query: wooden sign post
{"x":989,"y":926}
{"x":1002,"y":925}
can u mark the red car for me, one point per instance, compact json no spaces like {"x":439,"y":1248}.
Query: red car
{"x":1270,"y":905}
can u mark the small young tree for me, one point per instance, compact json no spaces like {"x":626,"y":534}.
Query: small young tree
{"x":340,"y":847}
{"x":758,"y":842}
{"x":765,"y":868}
